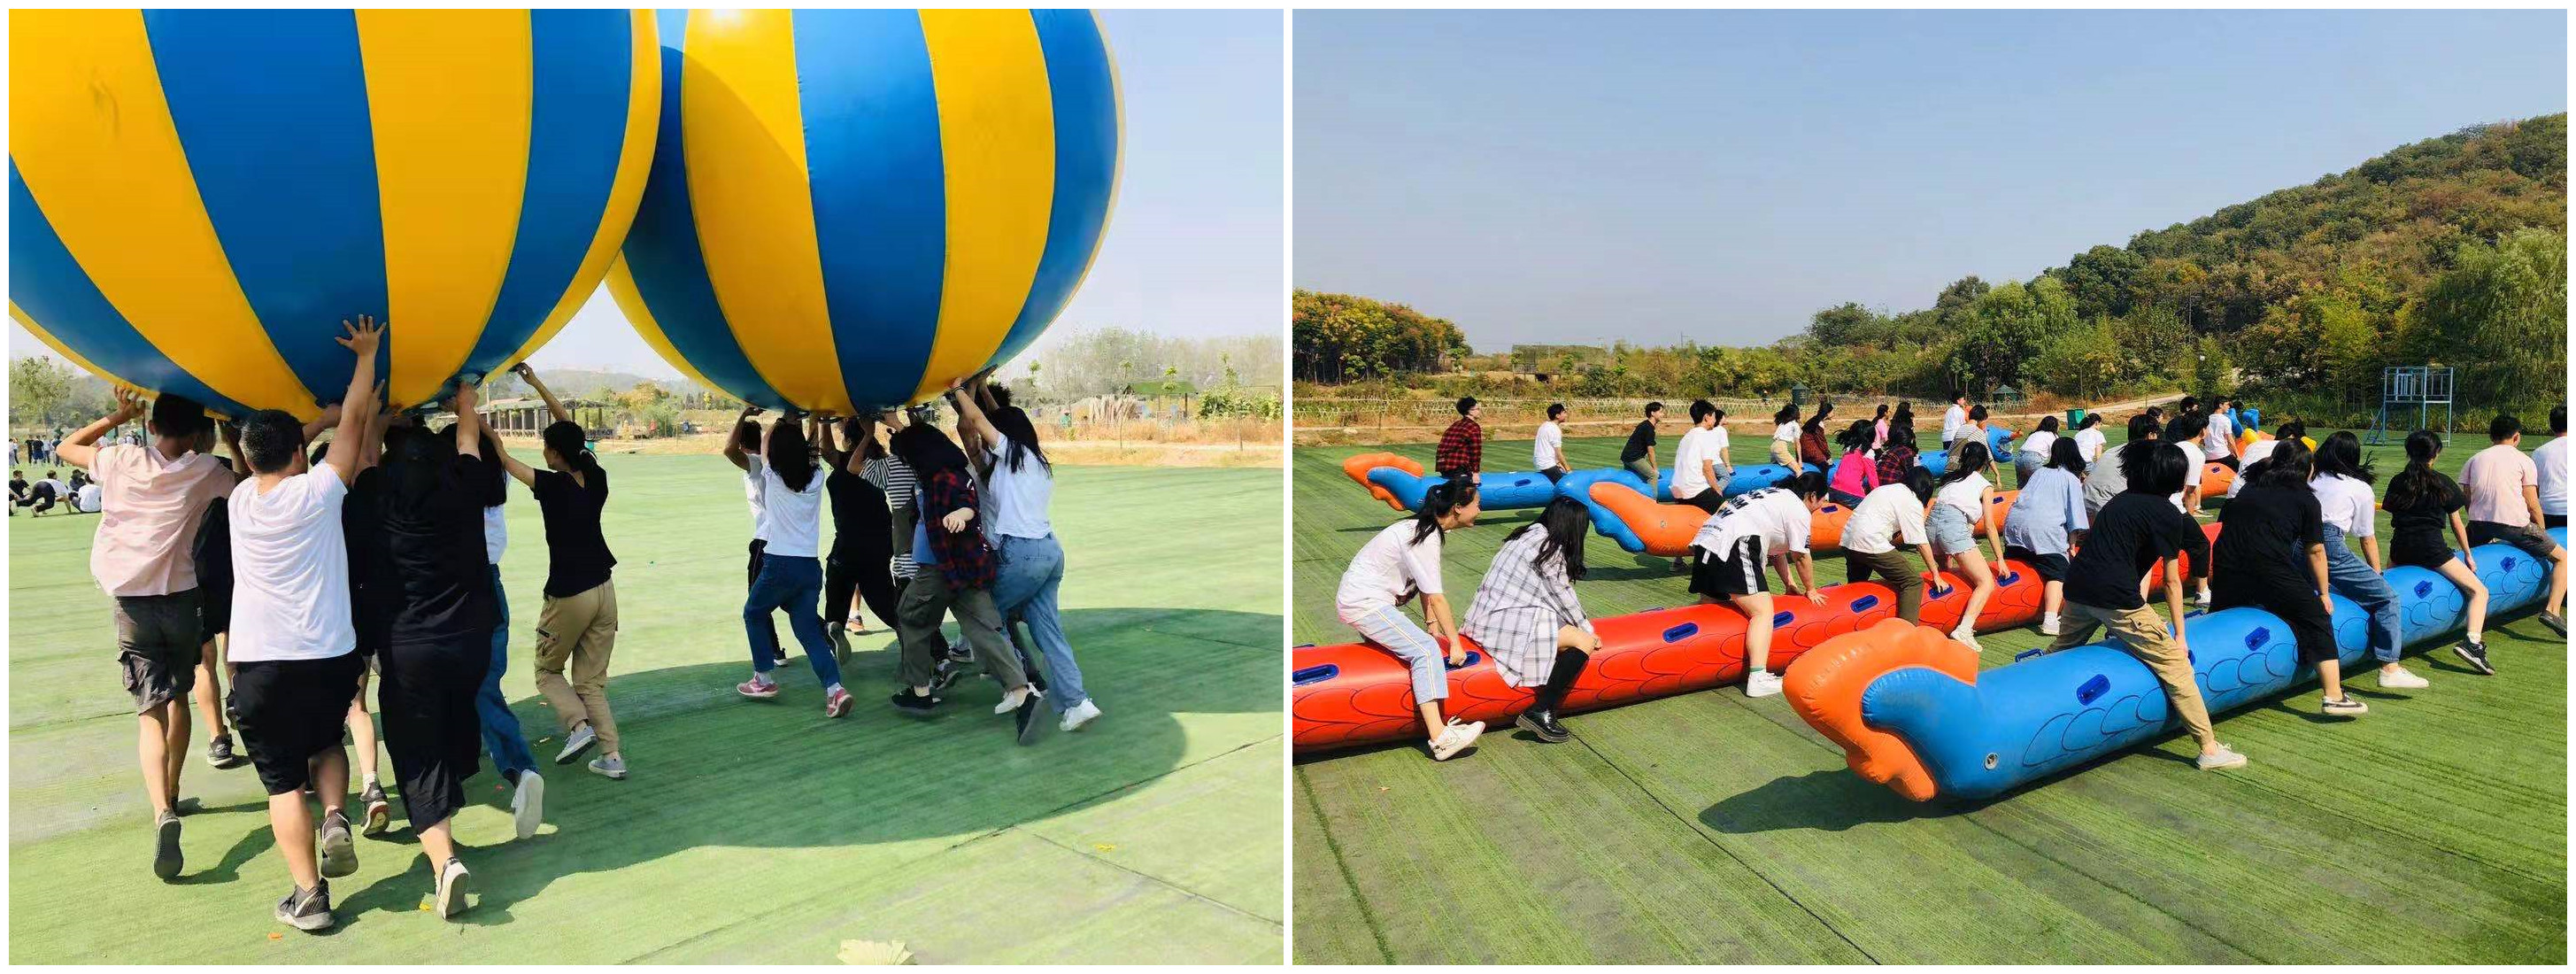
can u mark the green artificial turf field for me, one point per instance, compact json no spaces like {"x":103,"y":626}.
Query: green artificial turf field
{"x":748,"y":832}
{"x":1709,"y":827}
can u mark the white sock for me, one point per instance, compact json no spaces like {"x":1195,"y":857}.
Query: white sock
{"x":2049,"y":620}
{"x":371,"y":781}
{"x":830,"y":690}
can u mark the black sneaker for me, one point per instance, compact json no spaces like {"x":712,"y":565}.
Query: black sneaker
{"x":219,"y":752}
{"x":380,"y":813}
{"x":2474,"y":654}
{"x":339,"y":852}
{"x":2554,"y":622}
{"x":453,"y":883}
{"x":1543,"y":723}
{"x":944,"y":674}
{"x":911,"y":704}
{"x":307,"y":910}
{"x":961,"y":651}
{"x":2346,"y":707}
{"x":1032,"y":718}
{"x":165,"y":846}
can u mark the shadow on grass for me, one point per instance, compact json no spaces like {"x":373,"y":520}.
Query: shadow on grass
{"x":710,"y":769}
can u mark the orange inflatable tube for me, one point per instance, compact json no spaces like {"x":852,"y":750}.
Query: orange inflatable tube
{"x":1667,"y":529}
{"x":1358,"y":466}
{"x":1819,"y":692}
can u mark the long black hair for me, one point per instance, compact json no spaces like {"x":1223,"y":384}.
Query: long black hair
{"x":1788,"y":413}
{"x":1816,"y":423}
{"x":790,"y":454}
{"x":2341,"y":454}
{"x":1880,"y":414}
{"x":1900,"y":428}
{"x":2065,"y":455}
{"x":2287,"y":468}
{"x":2153,"y":467}
{"x":926,"y":450}
{"x":1919,"y":481}
{"x":1973,"y":458}
{"x":1564,"y":522}
{"x":2419,"y":482}
{"x":2048,"y":424}
{"x":1013,"y":423}
{"x":1437,"y":502}
{"x":566,"y":439}
{"x":1858,"y":436}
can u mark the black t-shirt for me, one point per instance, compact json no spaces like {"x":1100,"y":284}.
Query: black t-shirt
{"x":2132,"y":531}
{"x":17,"y":486}
{"x":212,"y":551}
{"x":2264,"y":548}
{"x":1639,"y":441}
{"x":2418,"y":528}
{"x":859,"y":511}
{"x":434,"y":546}
{"x":577,"y":558}
{"x":373,"y":594}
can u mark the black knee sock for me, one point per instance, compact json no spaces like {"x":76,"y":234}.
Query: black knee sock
{"x":1569,"y":665}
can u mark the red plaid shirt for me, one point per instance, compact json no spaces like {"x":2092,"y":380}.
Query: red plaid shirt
{"x":1462,"y":449}
{"x":965,"y":558}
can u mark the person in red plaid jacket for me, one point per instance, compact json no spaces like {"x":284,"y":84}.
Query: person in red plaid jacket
{"x":1462,"y":448}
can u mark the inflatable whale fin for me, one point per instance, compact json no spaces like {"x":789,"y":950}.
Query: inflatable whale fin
{"x":1656,"y":529}
{"x":1824,"y":685}
{"x":1357,"y":468}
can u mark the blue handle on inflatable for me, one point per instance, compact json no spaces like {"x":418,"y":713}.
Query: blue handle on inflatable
{"x":1315,"y":674}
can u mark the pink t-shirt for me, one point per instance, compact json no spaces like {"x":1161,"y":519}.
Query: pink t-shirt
{"x":1856,"y":475}
{"x":2494,"y":480}
{"x":151,"y":507}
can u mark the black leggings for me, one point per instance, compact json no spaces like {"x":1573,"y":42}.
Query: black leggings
{"x":751,"y":581}
{"x":867,"y":574}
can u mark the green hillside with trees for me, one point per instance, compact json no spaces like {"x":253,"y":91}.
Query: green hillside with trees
{"x":2450,"y":251}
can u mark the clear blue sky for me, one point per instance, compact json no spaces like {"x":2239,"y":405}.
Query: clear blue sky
{"x":1563,"y":177}
{"x":1195,"y":245}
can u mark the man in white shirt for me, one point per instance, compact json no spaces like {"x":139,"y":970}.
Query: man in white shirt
{"x":1891,"y":514}
{"x":1729,"y":551}
{"x":1954,"y":420}
{"x":1548,"y":449}
{"x":2256,"y":451}
{"x":2219,"y":440}
{"x":292,"y":636}
{"x":2552,"y":460}
{"x":1697,"y":478}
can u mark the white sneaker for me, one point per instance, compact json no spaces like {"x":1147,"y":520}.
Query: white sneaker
{"x":2402,"y":679}
{"x":528,"y":804}
{"x":1456,"y":738}
{"x":1967,"y":636}
{"x":1081,"y":714}
{"x":1762,"y":683}
{"x":2202,"y":600}
{"x":2225,"y":758}
{"x":2048,"y":626}
{"x":1011,"y":701}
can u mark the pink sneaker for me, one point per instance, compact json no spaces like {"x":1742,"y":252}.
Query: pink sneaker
{"x":837,"y":704}
{"x":756,"y":690}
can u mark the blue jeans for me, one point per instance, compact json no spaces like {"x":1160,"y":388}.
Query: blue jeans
{"x":796,"y":585}
{"x":501,"y":735}
{"x":2352,"y":578}
{"x":1024,"y":587}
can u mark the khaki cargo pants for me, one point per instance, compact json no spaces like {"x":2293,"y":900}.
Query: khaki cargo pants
{"x":576,"y":634}
{"x":2142,"y":633}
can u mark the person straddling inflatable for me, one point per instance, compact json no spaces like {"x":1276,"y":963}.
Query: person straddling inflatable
{"x":155,"y":498}
{"x":2504,"y":505}
{"x":2421,"y":502}
{"x":1729,"y":552}
{"x":2046,"y":517}
{"x":2254,"y":452}
{"x":1878,"y":430}
{"x":2342,"y":486}
{"x":1400,"y":563}
{"x":2102,"y":585}
{"x":295,"y":668}
{"x":2218,"y":441}
{"x":2034,"y":452}
{"x":1855,"y":475}
{"x":955,"y":574}
{"x":1547,"y":449}
{"x":1019,"y":485}
{"x":1700,"y":469}
{"x":2551,"y":459}
{"x":1814,"y":448}
{"x":1461,"y":454}
{"x":2107,"y":479}
{"x":1638,"y":454}
{"x":1528,"y":619}
{"x":791,"y":567}
{"x":577,"y":628}
{"x":2272,"y":556}
{"x":1963,"y":500}
{"x":1954,"y":421}
{"x":1896,"y":458}
{"x":2184,"y":431}
{"x":1889,"y":515}
{"x":2089,"y":439}
{"x":1784,"y":437}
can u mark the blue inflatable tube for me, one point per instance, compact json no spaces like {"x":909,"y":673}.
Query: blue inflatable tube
{"x":2034,"y":718}
{"x":1495,"y":491}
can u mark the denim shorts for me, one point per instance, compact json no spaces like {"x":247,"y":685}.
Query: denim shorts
{"x":1951,"y":532}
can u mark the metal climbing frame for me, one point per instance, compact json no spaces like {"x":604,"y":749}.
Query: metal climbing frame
{"x":2420,"y":386}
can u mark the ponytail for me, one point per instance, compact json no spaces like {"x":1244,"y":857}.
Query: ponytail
{"x":2419,"y":481}
{"x":1973,"y":458}
{"x":1437,"y":502}
{"x":566,"y":440}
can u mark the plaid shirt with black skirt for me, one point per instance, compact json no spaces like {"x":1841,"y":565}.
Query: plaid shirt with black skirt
{"x":1518,"y":609}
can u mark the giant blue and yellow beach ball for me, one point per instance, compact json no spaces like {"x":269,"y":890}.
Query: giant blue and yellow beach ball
{"x":850,"y":208}
{"x":198,"y":198}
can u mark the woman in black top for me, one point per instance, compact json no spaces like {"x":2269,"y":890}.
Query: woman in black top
{"x":439,"y":639}
{"x":862,"y":552}
{"x":373,"y":598}
{"x":2422,"y":501}
{"x":2271,"y":554}
{"x":577,"y":629}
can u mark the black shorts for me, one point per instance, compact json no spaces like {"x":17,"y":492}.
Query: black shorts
{"x":2293,"y":599}
{"x":1707,"y":500}
{"x":2430,"y":555}
{"x":1739,"y":572}
{"x":290,"y":710}
{"x":2229,"y":460}
{"x":2049,"y":568}
{"x":2553,"y":520}
{"x":157,"y":646}
{"x":2526,"y":537}
{"x":1553,"y":474}
{"x":214,"y":615}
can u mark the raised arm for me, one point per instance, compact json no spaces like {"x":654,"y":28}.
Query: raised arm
{"x":970,"y":415}
{"x":826,"y":440}
{"x":371,"y":452}
{"x":554,"y":406}
{"x":363,"y":338}
{"x":733,"y":439}
{"x":863,"y":441}
{"x":469,"y":423}
{"x":231,"y":432}
{"x":76,"y":449}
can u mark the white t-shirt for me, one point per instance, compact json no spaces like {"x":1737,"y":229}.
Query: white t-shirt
{"x":751,"y":489}
{"x":2221,"y":435}
{"x":1548,"y":450}
{"x":1696,"y":446}
{"x":1786,"y":433}
{"x":496,"y":535}
{"x":1777,"y":516}
{"x":2256,"y":450}
{"x":1952,"y":422}
{"x":89,"y":495}
{"x":2193,"y":467}
{"x":1388,"y":570}
{"x":1017,"y":499}
{"x":2345,"y":503}
{"x":290,"y":570}
{"x":1967,"y":494}
{"x":1883,"y":515}
{"x":2088,"y":442}
{"x":791,"y":520}
{"x":2552,"y":460}
{"x":2040,"y":443}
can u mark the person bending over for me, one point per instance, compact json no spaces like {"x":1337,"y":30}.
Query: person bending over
{"x":1855,"y":475}
{"x":1963,"y":501}
{"x":1891,"y":515}
{"x":2046,"y":519}
{"x":1771,"y":525}
{"x":1527,"y":617}
{"x":1401,"y":562}
{"x":2035,"y":451}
